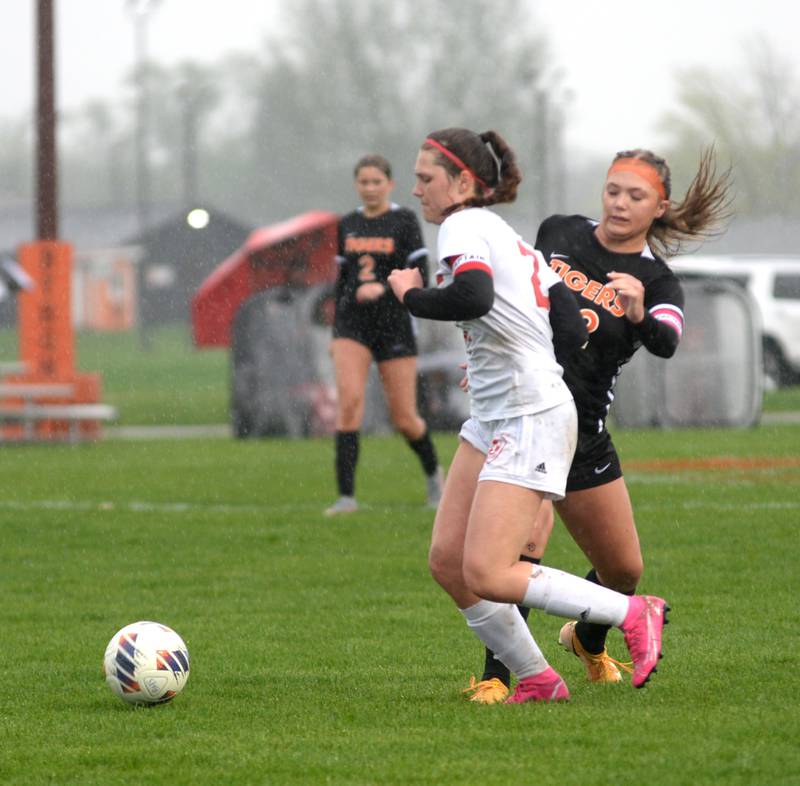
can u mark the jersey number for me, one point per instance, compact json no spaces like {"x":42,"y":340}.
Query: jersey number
{"x":591,"y":319}
{"x":366,"y":268}
{"x":541,"y":299}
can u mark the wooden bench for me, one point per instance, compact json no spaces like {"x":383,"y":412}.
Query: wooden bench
{"x":12,"y":367}
{"x":31,"y":413}
{"x":29,"y":391}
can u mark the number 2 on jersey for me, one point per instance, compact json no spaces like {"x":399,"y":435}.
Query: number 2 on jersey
{"x":366,"y":268}
{"x":541,"y":299}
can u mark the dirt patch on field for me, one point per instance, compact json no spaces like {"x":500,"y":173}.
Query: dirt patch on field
{"x":715,"y":464}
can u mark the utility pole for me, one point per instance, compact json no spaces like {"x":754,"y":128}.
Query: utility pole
{"x":44,"y":315}
{"x":46,"y":163}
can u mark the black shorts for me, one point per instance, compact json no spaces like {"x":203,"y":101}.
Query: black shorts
{"x":595,"y":463}
{"x":398,"y":341}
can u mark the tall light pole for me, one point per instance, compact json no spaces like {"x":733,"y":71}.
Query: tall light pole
{"x":140,"y":11}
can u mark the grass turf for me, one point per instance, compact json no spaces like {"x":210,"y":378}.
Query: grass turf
{"x":174,"y":383}
{"x":322,"y":652}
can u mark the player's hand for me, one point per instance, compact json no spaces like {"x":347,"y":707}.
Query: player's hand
{"x":463,"y":383}
{"x":402,"y":280}
{"x":630,"y":293}
{"x":369,"y":292}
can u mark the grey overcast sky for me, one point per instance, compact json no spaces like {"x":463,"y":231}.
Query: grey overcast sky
{"x":617,"y":57}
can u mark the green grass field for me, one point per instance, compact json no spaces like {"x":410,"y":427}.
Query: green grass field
{"x":322,"y":652}
{"x":175,"y":383}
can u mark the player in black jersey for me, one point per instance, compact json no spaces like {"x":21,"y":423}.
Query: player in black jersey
{"x":370,"y":324}
{"x":629,"y":298}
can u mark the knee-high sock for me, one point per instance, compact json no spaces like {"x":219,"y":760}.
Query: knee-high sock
{"x":346,"y":445}
{"x":501,"y":628}
{"x":591,"y":635}
{"x":426,"y":452}
{"x":565,"y":595}
{"x":492,"y":667}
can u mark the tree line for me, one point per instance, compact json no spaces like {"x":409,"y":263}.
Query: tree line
{"x":265,"y":135}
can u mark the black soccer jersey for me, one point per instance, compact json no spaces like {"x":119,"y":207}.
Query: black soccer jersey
{"x":573,"y":251}
{"x":369,"y":249}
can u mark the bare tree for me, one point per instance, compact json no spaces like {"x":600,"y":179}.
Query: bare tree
{"x":753,"y":117}
{"x":346,"y":78}
{"x":16,"y":167}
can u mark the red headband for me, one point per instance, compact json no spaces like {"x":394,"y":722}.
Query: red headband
{"x":644,"y":169}
{"x":455,"y":159}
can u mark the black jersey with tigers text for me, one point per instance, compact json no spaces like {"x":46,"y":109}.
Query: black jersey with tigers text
{"x":368,"y":250}
{"x":573,"y":251}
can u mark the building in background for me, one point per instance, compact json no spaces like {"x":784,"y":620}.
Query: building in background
{"x":104,"y":294}
{"x":176,"y":256}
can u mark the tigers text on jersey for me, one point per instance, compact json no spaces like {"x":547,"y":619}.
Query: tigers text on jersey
{"x":369,"y":249}
{"x":577,"y":256}
{"x":511,"y":366}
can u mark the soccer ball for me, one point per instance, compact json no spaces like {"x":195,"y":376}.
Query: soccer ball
{"x":146,"y":663}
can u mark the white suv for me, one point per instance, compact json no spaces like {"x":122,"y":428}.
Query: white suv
{"x":774,"y":283}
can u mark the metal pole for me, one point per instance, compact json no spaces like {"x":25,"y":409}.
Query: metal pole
{"x":189,"y":146}
{"x":46,"y":174}
{"x":142,"y":123}
{"x":140,"y":10}
{"x":544,"y":152}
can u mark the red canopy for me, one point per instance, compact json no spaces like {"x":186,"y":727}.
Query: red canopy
{"x":298,"y":252}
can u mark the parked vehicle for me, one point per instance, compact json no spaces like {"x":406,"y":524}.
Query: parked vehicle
{"x":774,"y":284}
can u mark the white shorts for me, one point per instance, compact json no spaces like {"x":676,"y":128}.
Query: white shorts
{"x":534,"y":451}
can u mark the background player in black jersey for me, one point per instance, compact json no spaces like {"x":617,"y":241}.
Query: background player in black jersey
{"x":371,"y":325}
{"x":629,"y":298}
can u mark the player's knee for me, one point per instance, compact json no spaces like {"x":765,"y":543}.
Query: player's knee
{"x":625,"y":576}
{"x":445,"y":570}
{"x":481,"y":581}
{"x":409,"y":424}
{"x":350,"y":413}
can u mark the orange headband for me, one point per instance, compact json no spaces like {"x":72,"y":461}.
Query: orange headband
{"x":642,"y":168}
{"x":454,"y":158}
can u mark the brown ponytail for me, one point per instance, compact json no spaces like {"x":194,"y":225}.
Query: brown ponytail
{"x":704,"y":211}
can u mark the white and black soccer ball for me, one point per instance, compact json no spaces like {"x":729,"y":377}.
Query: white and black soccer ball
{"x":146,"y":663}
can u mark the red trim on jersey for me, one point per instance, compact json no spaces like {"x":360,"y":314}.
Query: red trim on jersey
{"x":474,"y":265}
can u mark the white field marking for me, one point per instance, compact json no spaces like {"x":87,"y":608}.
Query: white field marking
{"x":703,"y":505}
{"x":289,"y":507}
{"x":136,"y":506}
{"x":152,"y":507}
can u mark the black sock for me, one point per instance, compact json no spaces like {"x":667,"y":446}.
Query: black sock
{"x":591,"y":635}
{"x":493,"y":667}
{"x":346,"y":460}
{"x":424,"y":448}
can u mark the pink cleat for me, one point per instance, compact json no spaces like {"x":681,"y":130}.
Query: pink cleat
{"x":545,"y":686}
{"x":646,"y":616}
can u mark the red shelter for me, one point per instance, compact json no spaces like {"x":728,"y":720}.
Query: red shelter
{"x":299,"y":252}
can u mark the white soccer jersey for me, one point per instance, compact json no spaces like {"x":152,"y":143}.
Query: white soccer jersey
{"x":511,"y":365}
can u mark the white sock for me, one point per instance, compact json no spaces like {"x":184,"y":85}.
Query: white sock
{"x":501,"y":628}
{"x":565,"y":595}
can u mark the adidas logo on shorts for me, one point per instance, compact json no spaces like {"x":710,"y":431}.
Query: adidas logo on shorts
{"x":541,"y":468}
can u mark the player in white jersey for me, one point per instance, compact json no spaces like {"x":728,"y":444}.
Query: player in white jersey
{"x":511,"y":363}
{"x":516,"y":448}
